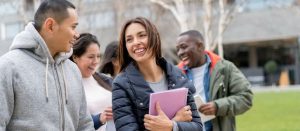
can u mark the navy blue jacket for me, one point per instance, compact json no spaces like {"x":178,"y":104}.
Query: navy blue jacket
{"x":131,"y":98}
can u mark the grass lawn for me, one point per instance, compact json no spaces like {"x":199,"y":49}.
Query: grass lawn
{"x":272,"y":111}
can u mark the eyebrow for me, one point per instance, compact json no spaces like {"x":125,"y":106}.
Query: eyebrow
{"x":178,"y":45}
{"x":137,"y":33}
{"x":141,"y":32}
{"x":181,"y":44}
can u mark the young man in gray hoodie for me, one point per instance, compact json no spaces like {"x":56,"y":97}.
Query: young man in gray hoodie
{"x":40,"y":88}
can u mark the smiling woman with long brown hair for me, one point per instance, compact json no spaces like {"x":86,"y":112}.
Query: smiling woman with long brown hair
{"x":144,"y":71}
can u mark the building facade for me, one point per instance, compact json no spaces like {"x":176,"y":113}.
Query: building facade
{"x":261,"y":31}
{"x":267,"y":30}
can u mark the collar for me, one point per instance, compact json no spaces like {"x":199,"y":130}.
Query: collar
{"x":207,"y":59}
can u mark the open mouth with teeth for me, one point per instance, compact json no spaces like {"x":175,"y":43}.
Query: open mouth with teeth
{"x":185,"y":60}
{"x":91,"y":68}
{"x":140,"y":51}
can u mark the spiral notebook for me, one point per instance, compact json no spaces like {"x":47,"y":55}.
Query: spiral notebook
{"x":170,"y":101}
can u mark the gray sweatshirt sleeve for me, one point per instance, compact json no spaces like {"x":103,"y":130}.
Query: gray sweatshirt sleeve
{"x":85,"y":120}
{"x":6,"y":93}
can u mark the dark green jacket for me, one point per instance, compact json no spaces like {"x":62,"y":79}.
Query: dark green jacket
{"x":230,"y":91}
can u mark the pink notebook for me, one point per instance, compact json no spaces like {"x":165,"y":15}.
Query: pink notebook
{"x":170,"y":101}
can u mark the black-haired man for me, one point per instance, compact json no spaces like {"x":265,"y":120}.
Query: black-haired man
{"x":217,"y":81}
{"x":40,"y":88}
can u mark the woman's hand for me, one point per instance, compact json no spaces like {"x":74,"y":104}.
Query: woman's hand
{"x":161,"y":122}
{"x":184,"y":114}
{"x":106,"y":115}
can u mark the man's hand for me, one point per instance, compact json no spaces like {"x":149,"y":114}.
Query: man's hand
{"x":208,"y":108}
{"x":106,"y":115}
{"x":184,"y":114}
{"x":161,"y":122}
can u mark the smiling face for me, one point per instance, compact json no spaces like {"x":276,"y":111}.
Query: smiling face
{"x":65,"y":33}
{"x":190,"y":51}
{"x":88,"y":63}
{"x":137,"y":45}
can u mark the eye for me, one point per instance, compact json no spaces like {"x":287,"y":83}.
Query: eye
{"x":128,"y":40}
{"x":74,"y":27}
{"x":91,"y":56}
{"x":143,"y":35}
{"x":183,"y":47}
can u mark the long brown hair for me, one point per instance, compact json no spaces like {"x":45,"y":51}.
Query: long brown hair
{"x":110,"y":54}
{"x":154,"y":41}
{"x":101,"y":82}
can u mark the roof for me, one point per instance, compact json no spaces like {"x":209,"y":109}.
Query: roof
{"x":265,"y":25}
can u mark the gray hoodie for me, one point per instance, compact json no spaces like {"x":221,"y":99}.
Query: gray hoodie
{"x":37,"y":92}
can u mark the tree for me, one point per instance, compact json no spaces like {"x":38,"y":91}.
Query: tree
{"x":223,"y":12}
{"x":226,"y":11}
{"x":185,"y":14}
{"x":271,"y":67}
{"x":182,"y":10}
{"x":25,"y":9}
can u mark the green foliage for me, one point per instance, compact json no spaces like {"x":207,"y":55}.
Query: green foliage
{"x":270,"y":67}
{"x":272,"y":111}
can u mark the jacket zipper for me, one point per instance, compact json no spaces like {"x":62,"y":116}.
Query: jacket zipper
{"x":216,"y":79}
{"x":218,"y":75}
{"x":60,"y":99}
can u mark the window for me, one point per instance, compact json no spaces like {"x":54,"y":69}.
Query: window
{"x":29,"y":5}
{"x":138,"y":11}
{"x":263,"y":4}
{"x":98,"y":20}
{"x":1,"y":31}
{"x":8,"y":8}
{"x":94,"y":1}
{"x":10,"y":30}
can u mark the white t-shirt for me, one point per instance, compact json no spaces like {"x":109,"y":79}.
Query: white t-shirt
{"x":97,"y":97}
{"x":198,"y":78}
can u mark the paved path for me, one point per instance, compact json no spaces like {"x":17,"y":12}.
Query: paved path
{"x":276,"y":88}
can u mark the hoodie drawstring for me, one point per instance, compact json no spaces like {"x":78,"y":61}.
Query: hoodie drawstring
{"x":65,"y":84}
{"x":46,"y":81}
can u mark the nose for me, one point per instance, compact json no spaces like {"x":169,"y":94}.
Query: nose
{"x":76,"y":35}
{"x":96,"y":60}
{"x":136,"y":41}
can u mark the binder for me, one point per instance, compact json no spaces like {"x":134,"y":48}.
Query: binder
{"x":170,"y":101}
